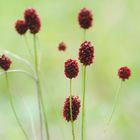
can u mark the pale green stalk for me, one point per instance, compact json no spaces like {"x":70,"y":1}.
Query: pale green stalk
{"x":83,"y":133}
{"x":114,"y":108}
{"x":115,"y":103}
{"x":27,"y":46}
{"x":72,"y":122}
{"x":39,"y":91}
{"x":13,"y":108}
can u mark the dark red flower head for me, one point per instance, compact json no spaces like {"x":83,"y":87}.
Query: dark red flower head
{"x":71,"y":68}
{"x":5,"y":62}
{"x":21,"y":27}
{"x":85,"y":18}
{"x":75,"y":108}
{"x":62,"y":46}
{"x":86,"y":53}
{"x":124,"y":73}
{"x":32,"y":19}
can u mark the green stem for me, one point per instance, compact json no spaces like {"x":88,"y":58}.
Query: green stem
{"x":21,"y":60}
{"x":113,"y":109}
{"x":72,"y":122}
{"x":27,"y":46}
{"x":39,"y":107}
{"x":35,"y":54}
{"x":84,"y":35}
{"x":37,"y":85}
{"x":115,"y":103}
{"x":13,"y":108}
{"x":44,"y":111}
{"x":20,"y":71}
{"x":39,"y":91}
{"x":31,"y":120}
{"x":83,"y":103}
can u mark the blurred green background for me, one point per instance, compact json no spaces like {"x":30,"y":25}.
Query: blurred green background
{"x":116,"y":37}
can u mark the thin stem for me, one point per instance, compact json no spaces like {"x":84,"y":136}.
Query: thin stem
{"x":83,"y":104}
{"x":115,"y":103}
{"x":71,"y":115}
{"x":39,"y":107}
{"x":35,"y":54}
{"x":114,"y":108}
{"x":56,"y":112}
{"x":44,"y":111}
{"x":39,"y":91}
{"x":84,"y":34}
{"x":13,"y":108}
{"x":37,"y":84}
{"x":21,"y":60}
{"x":27,"y":46}
{"x":39,"y":52}
{"x":31,"y":120}
{"x":20,"y":71}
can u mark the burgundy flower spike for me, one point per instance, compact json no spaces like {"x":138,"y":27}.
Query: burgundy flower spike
{"x":75,"y":108}
{"x":124,"y":73}
{"x":32,"y":19}
{"x":21,"y":27}
{"x":5,"y":62}
{"x":86,"y":53}
{"x":71,"y":68}
{"x":85,"y":18}
{"x":62,"y":46}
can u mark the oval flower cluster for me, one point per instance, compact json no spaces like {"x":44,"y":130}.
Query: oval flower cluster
{"x":71,"y":68}
{"x":86,"y":53}
{"x":85,"y":18}
{"x":31,"y":21}
{"x":75,"y":108}
{"x":124,"y":73}
{"x":5,"y":62}
{"x":21,"y":27}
